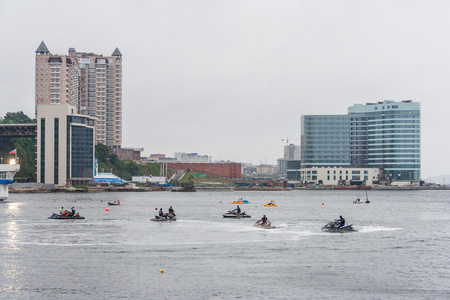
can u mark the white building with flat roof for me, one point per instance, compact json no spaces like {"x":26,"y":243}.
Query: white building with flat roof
{"x":340,"y":176}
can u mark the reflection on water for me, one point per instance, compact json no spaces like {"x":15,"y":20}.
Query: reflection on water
{"x":11,"y":265}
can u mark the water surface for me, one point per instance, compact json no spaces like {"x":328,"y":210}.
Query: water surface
{"x":400,"y":250}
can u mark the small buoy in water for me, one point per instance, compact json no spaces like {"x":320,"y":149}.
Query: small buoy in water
{"x":106,"y":209}
{"x":162,"y":271}
{"x":41,"y":212}
{"x":322,"y":203}
{"x":156,"y":208}
{"x":220,"y":201}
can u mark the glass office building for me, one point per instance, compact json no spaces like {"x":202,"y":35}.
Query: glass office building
{"x":393,"y":137}
{"x":383,"y":135}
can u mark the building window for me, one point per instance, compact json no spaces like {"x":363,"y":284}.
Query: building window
{"x":42,"y":150}
{"x":56,"y":152}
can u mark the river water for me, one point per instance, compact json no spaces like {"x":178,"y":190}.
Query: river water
{"x":400,"y":251}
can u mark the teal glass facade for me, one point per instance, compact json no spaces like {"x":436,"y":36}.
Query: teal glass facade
{"x":384,"y":135}
{"x":333,"y":141}
{"x":393,"y":137}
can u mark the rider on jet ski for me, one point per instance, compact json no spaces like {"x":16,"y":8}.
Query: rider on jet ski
{"x":161,"y":213}
{"x":264,"y":220}
{"x":171,"y":211}
{"x":237,"y":211}
{"x":341,"y":221}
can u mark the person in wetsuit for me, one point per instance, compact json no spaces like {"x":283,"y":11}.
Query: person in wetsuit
{"x":238,"y":210}
{"x":264,"y":220}
{"x":171,"y":211}
{"x":73,"y":211}
{"x":341,"y":221}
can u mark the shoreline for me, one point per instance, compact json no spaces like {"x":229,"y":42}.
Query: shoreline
{"x":100,"y":189}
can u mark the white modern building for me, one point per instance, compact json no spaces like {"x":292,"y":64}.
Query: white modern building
{"x":340,"y":176}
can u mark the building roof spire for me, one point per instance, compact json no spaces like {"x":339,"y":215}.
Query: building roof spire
{"x":116,"y":53}
{"x":42,"y":49}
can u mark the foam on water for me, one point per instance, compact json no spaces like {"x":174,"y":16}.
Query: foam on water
{"x":368,"y":229}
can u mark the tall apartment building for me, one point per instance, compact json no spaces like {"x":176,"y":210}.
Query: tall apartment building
{"x":384,"y":135}
{"x":90,"y":82}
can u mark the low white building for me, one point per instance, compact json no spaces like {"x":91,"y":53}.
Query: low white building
{"x":340,"y":176}
{"x":149,"y":179}
{"x":192,"y":158}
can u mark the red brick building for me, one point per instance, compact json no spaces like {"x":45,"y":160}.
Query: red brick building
{"x":222,"y":170}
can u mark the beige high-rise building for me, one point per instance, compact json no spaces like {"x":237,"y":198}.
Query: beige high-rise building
{"x":90,"y":82}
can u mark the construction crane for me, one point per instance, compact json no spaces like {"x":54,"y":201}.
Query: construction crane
{"x":287,"y":140}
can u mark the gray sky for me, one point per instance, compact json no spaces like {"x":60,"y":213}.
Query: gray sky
{"x":231,"y":79}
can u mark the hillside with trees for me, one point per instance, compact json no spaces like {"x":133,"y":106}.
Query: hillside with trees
{"x":125,"y":169}
{"x":26,"y":147}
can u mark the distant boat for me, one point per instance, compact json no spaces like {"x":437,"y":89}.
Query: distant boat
{"x":367,"y":198}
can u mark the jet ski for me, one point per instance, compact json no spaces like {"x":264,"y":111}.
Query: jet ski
{"x":334,"y":226}
{"x":268,"y":225}
{"x":165,"y":217}
{"x":240,"y":202}
{"x":66,"y":216}
{"x":234,"y":214}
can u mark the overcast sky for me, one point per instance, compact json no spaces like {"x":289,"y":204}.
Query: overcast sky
{"x":230,"y":79}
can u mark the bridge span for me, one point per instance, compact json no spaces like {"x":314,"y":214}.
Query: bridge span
{"x":18,"y":130}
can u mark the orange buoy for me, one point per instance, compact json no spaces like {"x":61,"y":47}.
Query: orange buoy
{"x":106,"y":209}
{"x":322,"y":203}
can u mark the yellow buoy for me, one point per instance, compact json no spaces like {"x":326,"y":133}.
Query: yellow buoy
{"x":162,"y":271}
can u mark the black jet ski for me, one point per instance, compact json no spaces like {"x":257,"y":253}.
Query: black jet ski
{"x":165,"y":217}
{"x":268,"y":225}
{"x":335,"y":226}
{"x":234,"y":214}
{"x":66,"y":216}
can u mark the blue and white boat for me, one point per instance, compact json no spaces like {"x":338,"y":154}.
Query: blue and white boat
{"x":7,"y":172}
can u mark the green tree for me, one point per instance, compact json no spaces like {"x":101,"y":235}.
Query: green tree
{"x":101,"y":152}
{"x":17,"y":118}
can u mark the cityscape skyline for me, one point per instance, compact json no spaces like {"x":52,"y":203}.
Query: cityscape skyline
{"x":202,"y":79}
